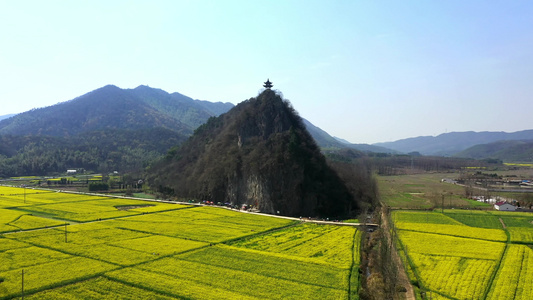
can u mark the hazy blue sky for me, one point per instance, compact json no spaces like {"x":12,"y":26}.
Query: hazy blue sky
{"x":366,"y":71}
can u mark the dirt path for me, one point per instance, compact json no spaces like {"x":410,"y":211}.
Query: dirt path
{"x":503,"y":224}
{"x":403,"y":279}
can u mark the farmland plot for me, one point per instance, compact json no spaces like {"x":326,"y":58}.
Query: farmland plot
{"x":453,"y":261}
{"x":167,"y":251}
{"x":515,"y":277}
{"x":98,"y":288}
{"x":481,"y":219}
{"x":196,"y":224}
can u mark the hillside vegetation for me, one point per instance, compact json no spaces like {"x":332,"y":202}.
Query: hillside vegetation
{"x":103,"y":150}
{"x":105,"y":130}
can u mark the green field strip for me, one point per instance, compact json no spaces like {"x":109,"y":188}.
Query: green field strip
{"x":477,"y":220}
{"x":452,"y":235}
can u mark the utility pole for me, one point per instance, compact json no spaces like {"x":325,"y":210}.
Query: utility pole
{"x":442,"y":210}
{"x":66,"y":232}
{"x":22,"y":291}
{"x":24,"y":194}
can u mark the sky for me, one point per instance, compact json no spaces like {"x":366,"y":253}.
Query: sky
{"x":364,"y":71}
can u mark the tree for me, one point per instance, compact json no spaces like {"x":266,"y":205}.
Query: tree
{"x":526,"y":200}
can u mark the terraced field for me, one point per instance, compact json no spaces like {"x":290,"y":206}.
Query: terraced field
{"x":70,"y":246}
{"x":465,"y":254}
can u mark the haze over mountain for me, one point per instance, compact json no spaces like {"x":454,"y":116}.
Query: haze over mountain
{"x":259,"y":153}
{"x":448,"y":144}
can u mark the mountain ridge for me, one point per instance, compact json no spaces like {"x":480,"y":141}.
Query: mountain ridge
{"x":138,"y":108}
{"x":448,"y":144}
{"x":504,"y":150}
{"x":113,"y":107}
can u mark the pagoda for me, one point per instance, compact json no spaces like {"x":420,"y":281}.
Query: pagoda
{"x":268,"y":84}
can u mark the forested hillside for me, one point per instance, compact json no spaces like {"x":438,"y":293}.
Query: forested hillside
{"x":103,"y":151}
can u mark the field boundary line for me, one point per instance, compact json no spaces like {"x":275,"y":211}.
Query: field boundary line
{"x":519,"y":272}
{"x":230,"y":241}
{"x":498,"y":264}
{"x":351,"y":267}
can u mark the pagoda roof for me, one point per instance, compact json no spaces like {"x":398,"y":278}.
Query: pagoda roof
{"x":268,"y":84}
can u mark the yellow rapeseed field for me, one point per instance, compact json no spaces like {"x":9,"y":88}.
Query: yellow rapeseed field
{"x":71,"y":246}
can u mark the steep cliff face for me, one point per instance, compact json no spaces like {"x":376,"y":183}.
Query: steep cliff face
{"x":260,"y":154}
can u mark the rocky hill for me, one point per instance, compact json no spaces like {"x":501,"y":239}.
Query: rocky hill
{"x":260,"y":154}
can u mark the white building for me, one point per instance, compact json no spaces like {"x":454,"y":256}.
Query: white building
{"x":504,"y":206}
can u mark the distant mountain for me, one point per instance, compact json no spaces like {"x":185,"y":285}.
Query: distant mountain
{"x":507,"y":151}
{"x":259,"y":153}
{"x":448,"y":144}
{"x":112,"y":107}
{"x":6,"y":116}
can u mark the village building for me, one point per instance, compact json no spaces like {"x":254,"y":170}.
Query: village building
{"x":504,"y":206}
